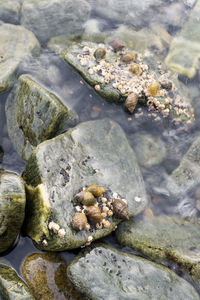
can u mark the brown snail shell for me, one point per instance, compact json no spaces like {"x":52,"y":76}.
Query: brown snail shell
{"x":96,"y":190}
{"x":153,"y":88}
{"x":79,"y":221}
{"x":99,"y":53}
{"x":120,"y":209}
{"x":135,"y":69}
{"x":117,"y":45}
{"x":86,"y":198}
{"x":129,"y":57}
{"x":131,"y":102}
{"x":94,"y":214}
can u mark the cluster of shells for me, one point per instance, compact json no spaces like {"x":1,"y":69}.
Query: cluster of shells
{"x":94,"y":207}
{"x":127,"y":72}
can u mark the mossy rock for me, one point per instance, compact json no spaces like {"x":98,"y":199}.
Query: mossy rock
{"x":12,"y":208}
{"x":17,"y":44}
{"x":106,"y":273}
{"x":35,"y":114}
{"x":165,"y":240}
{"x":11,"y":285}
{"x":94,"y":152}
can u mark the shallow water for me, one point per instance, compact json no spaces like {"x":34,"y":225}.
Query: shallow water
{"x":57,"y":76}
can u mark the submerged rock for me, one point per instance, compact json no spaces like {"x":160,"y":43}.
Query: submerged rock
{"x":17,"y":43}
{"x":47,"y":19}
{"x":9,"y":11}
{"x":184,"y":53}
{"x":165,"y":240}
{"x":105,"y":273}
{"x":11,"y":285}
{"x":46,"y":275}
{"x":35,"y":114}
{"x":94,"y":152}
{"x":12,"y":208}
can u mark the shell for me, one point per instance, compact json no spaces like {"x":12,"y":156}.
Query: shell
{"x":99,"y":53}
{"x":94,"y":214}
{"x":79,"y":221}
{"x":131,"y":102}
{"x":166,"y":84}
{"x":120,"y":209}
{"x":86,"y":198}
{"x":117,"y":45}
{"x":96,"y":190}
{"x":135,"y":69}
{"x":129,"y":57}
{"x":153,"y":88}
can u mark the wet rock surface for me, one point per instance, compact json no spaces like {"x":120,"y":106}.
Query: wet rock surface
{"x":59,"y":168}
{"x":35,"y":114}
{"x":47,"y":19}
{"x":105,"y":273}
{"x":12,"y":208}
{"x":165,"y":240}
{"x":9,"y":11}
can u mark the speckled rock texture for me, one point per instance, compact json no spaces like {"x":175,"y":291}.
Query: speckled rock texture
{"x":105,"y":273}
{"x":56,"y":17}
{"x":165,"y":240}
{"x":9,"y":11}
{"x":17,"y":43}
{"x":35,"y":114}
{"x":11,"y":285}
{"x":12,"y":208}
{"x":94,"y":152}
{"x":184,"y":52}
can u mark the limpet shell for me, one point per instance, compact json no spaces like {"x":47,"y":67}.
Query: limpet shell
{"x":129,"y":57}
{"x":117,"y":45}
{"x":99,"y":53}
{"x":153,"y":88}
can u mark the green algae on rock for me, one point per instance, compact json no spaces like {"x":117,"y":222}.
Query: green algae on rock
{"x":12,"y":208}
{"x":184,"y":53}
{"x":17,"y":43}
{"x":46,"y":275}
{"x":9,"y":11}
{"x":56,"y":17}
{"x":11,"y":285}
{"x":35,"y":114}
{"x":106,"y":273}
{"x":94,"y":152}
{"x":114,"y":80}
{"x":165,"y":240}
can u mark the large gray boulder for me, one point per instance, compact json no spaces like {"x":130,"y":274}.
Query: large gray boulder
{"x":51,"y":18}
{"x":17,"y":44}
{"x":94,"y":152}
{"x":35,"y":114}
{"x":12,"y":208}
{"x":105,"y":273}
{"x":9,"y":11}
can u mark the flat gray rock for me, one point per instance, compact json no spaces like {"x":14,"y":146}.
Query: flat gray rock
{"x":34,"y":114}
{"x":12,"y":208}
{"x":56,"y":17}
{"x":165,"y":240}
{"x":9,"y":11}
{"x":94,"y":152}
{"x":17,"y":43}
{"x":105,"y":273}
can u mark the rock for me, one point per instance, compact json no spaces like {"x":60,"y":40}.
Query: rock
{"x":17,"y":43}
{"x":184,"y":53}
{"x":9,"y":11}
{"x":94,"y":152}
{"x":165,"y":240}
{"x":11,"y":285}
{"x":46,"y":275}
{"x":35,"y":114}
{"x":1,"y":154}
{"x":114,"y":79}
{"x":150,"y":150}
{"x":56,"y":18}
{"x":105,"y":273}
{"x":12,"y":208}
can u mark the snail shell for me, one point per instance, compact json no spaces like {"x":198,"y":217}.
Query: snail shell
{"x":86,"y":198}
{"x":96,"y":190}
{"x":79,"y":221}
{"x":166,"y":84}
{"x":120,"y":209}
{"x":153,"y":88}
{"x":99,"y":53}
{"x":117,"y":45}
{"x":94,"y":214}
{"x":129,"y":57}
{"x":135,"y":69}
{"x":131,"y":102}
